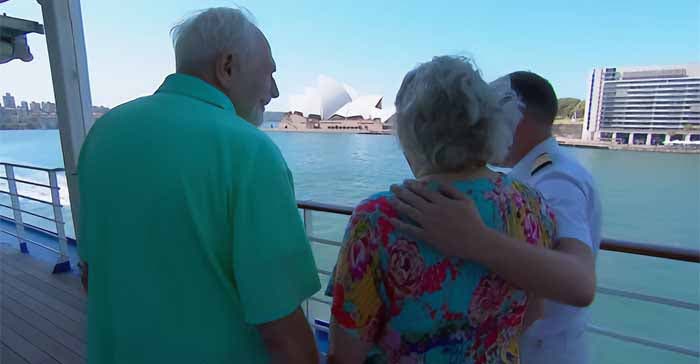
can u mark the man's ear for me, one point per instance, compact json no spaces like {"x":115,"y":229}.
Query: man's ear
{"x":227,"y":66}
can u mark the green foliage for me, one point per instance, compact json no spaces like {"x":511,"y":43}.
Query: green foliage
{"x":569,"y":106}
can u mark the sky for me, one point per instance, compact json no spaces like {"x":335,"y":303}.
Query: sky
{"x":370,"y":45}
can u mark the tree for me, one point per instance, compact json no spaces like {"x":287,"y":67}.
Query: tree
{"x":580,"y":109}
{"x":568,"y":106}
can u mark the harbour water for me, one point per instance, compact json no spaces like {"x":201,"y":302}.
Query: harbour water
{"x":647,"y":197}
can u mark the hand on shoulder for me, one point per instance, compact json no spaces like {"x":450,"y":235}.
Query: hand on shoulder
{"x":443,"y":219}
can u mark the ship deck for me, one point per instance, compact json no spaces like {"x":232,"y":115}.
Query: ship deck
{"x":43,"y":316}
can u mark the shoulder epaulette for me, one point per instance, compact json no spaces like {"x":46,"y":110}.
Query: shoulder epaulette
{"x":540,"y":162}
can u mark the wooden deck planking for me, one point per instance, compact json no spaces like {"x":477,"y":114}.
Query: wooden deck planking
{"x":42,"y":315}
{"x":73,"y":327}
{"x":62,"y":336}
{"x":49,"y":345}
{"x":29,"y":264}
{"x":25,"y":348}
{"x":61,"y":295}
{"x":8,"y":356}
{"x":43,"y":297}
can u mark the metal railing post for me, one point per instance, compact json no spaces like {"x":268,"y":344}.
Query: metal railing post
{"x":308,"y":227}
{"x":63,"y":263}
{"x":16,"y":210}
{"x":308,"y":221}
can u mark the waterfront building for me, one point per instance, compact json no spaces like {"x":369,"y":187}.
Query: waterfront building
{"x":9,"y":101}
{"x":650,"y":105}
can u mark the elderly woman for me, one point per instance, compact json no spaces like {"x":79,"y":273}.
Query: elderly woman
{"x":395,"y":299}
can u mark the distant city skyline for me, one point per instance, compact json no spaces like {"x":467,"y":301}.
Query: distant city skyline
{"x":371,"y":45}
{"x":7,"y":95}
{"x":32,"y":114}
{"x":40,"y":103}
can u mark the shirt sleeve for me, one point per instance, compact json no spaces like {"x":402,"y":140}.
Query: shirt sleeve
{"x":273,"y":265}
{"x":357,"y":305}
{"x":569,"y":204}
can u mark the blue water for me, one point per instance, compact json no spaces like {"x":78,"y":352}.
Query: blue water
{"x":647,"y":197}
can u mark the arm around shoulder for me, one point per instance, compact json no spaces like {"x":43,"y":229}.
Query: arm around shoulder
{"x":565,"y":274}
{"x":450,"y":222}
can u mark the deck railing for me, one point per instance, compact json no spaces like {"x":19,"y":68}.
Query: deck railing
{"x":18,"y":210}
{"x":618,"y":246}
{"x":308,"y":208}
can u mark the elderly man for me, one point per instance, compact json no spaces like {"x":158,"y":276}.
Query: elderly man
{"x":189,"y":227}
{"x":565,"y":276}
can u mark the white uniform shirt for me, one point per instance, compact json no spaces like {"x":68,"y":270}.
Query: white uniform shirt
{"x":570,"y":192}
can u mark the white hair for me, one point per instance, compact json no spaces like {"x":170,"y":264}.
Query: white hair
{"x":449,"y":118}
{"x":203,"y":36}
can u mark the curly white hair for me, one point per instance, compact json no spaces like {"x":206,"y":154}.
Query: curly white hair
{"x":449,"y":118}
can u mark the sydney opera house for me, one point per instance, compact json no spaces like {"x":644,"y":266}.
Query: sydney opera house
{"x":331,"y":106}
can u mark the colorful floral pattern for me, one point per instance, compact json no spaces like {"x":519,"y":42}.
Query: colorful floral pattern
{"x":417,"y":306}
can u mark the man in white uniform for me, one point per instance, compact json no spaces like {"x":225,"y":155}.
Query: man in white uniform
{"x":570,"y":192}
{"x":566,"y":274}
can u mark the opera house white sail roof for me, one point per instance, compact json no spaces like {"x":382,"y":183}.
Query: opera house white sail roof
{"x":330,"y":98}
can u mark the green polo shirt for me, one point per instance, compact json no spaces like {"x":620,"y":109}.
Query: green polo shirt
{"x":189,"y":224}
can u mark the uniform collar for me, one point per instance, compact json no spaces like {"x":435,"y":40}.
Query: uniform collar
{"x":521,"y":170}
{"x":194,"y":87}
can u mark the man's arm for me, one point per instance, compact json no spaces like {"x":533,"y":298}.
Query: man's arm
{"x":534,"y":311}
{"x":289,"y":339}
{"x":566,"y":274}
{"x":449,"y":221}
{"x":346,"y":348}
{"x":273,"y":266}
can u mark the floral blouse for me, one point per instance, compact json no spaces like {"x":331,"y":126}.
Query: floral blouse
{"x":415,"y":305}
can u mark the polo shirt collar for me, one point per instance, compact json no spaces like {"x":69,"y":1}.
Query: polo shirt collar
{"x":194,"y":87}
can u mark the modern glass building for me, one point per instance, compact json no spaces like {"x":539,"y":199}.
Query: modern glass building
{"x":643,"y":105}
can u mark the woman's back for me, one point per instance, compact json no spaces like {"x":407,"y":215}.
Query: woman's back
{"x":416,"y":305}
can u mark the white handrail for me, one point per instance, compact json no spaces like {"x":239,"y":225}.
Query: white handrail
{"x":16,"y":212}
{"x":63,"y":263}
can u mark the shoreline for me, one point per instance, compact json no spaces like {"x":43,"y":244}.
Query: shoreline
{"x":578,"y":143}
{"x":325,"y":131}
{"x":567,"y":142}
